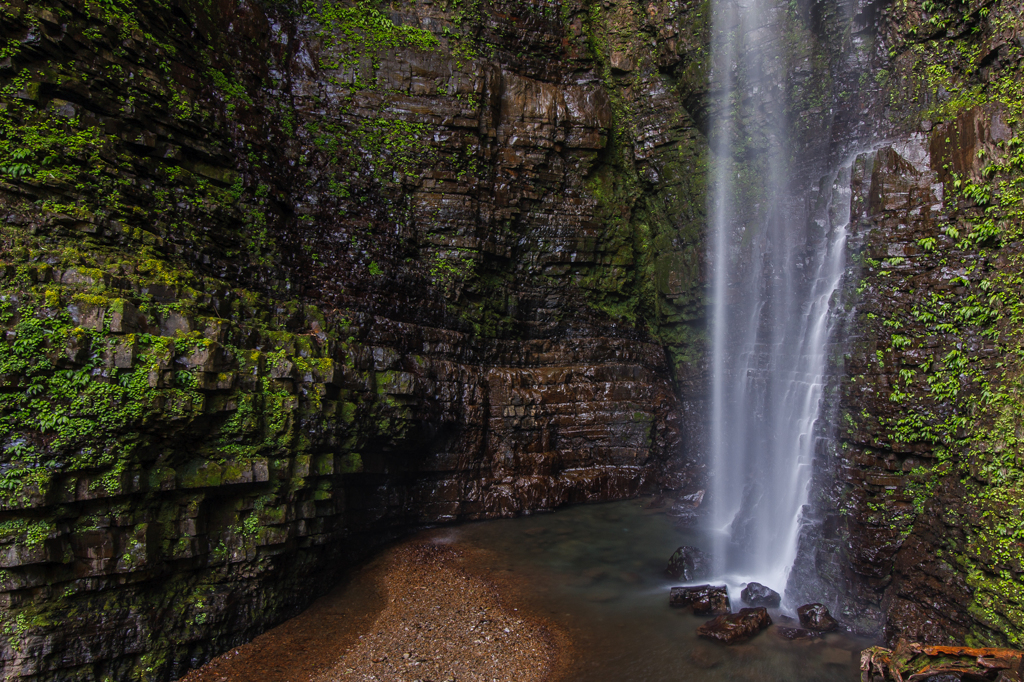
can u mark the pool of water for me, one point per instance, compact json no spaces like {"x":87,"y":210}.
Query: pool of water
{"x":597,"y":572}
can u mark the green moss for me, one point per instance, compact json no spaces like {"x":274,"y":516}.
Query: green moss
{"x":350,"y":463}
{"x":966,"y":410}
{"x":26,"y":532}
{"x":351,"y":32}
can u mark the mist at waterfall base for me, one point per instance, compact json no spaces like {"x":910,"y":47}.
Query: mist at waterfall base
{"x":777,"y":258}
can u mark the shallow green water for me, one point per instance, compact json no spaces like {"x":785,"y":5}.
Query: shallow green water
{"x":596,"y":570}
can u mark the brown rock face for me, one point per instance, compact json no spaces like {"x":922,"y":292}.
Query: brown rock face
{"x":320,"y":284}
{"x":736,"y":627}
{"x":904,"y":535}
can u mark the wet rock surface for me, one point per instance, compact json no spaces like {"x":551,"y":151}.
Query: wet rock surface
{"x":756,"y":594}
{"x":736,"y":627}
{"x":318,"y":287}
{"x":816,"y":617}
{"x":687,"y":512}
{"x":791,"y":633}
{"x":901,"y":537}
{"x":688,"y":563}
{"x":705,"y":600}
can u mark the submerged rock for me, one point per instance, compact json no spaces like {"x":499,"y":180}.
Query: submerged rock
{"x":688,"y":563}
{"x":796,"y":633}
{"x":706,"y":656}
{"x":685,"y":509}
{"x":684,"y":516}
{"x":756,"y":594}
{"x":736,"y":627}
{"x":692,"y":500}
{"x":816,"y":617}
{"x":706,"y":600}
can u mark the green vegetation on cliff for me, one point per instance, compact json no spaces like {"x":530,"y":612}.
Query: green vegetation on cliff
{"x":258,"y":265}
{"x":957,"y":69}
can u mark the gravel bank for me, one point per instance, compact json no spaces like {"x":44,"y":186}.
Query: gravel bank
{"x":442,"y":624}
{"x":422,"y":612}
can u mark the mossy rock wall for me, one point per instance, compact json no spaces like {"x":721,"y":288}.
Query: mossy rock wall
{"x":916,"y":527}
{"x":280,"y":281}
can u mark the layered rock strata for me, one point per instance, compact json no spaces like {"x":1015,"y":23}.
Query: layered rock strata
{"x":281,"y":280}
{"x":914,"y":524}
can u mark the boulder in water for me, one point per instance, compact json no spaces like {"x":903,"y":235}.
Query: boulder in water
{"x":796,"y":633}
{"x":736,"y":627}
{"x":706,"y":600}
{"x":816,"y":617}
{"x":684,"y":517}
{"x":688,"y":563}
{"x":756,"y":594}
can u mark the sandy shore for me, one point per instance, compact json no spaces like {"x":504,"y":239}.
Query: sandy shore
{"x":442,"y":624}
{"x":422,"y":612}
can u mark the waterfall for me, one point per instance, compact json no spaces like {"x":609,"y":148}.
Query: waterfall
{"x":777,"y":256}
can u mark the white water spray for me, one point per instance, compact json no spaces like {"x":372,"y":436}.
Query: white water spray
{"x":776,"y":272}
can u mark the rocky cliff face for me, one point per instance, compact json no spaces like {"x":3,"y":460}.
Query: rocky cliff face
{"x":281,"y":280}
{"x":915,"y":530}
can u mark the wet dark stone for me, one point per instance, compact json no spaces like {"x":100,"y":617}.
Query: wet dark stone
{"x":816,"y":617}
{"x":796,"y":633}
{"x":736,"y":627}
{"x":756,"y":594}
{"x":684,"y":516}
{"x":706,"y":600}
{"x":688,"y":563}
{"x":685,"y":510}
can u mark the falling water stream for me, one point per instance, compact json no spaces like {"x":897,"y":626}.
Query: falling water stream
{"x":777,"y":267}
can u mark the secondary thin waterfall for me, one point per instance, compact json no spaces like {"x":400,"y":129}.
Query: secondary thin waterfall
{"x":777,"y":265}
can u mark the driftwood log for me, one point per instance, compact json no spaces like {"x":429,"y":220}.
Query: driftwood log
{"x":912,"y":662}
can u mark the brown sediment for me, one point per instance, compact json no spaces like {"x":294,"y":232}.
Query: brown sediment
{"x":305,"y":646}
{"x":423,"y":611}
{"x":442,"y":622}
